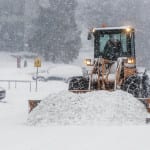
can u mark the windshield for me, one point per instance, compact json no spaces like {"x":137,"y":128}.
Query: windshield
{"x":114,"y":45}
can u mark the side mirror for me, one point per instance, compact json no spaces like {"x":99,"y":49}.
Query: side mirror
{"x":89,"y":36}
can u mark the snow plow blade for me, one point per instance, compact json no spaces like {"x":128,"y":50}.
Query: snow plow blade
{"x":146,"y":102}
{"x":33,"y":104}
{"x":80,"y":91}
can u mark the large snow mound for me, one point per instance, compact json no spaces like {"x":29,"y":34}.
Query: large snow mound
{"x":93,"y":108}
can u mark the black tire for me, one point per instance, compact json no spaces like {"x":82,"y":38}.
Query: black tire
{"x":78,"y":83}
{"x":137,"y":85}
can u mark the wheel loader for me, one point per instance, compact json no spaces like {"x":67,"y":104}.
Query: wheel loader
{"x":114,"y":64}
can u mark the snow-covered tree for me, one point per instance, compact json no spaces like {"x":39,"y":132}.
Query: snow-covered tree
{"x":11,"y":25}
{"x":56,"y":37}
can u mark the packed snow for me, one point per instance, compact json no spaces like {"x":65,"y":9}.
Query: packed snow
{"x":94,"y":108}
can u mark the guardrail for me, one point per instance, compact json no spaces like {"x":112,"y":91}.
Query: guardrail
{"x":18,"y":81}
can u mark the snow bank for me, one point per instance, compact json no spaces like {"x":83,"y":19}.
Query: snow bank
{"x":94,"y":108}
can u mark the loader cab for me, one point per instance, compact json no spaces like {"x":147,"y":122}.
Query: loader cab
{"x":111,"y":43}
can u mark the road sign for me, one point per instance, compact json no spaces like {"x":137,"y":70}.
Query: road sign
{"x":37,"y":62}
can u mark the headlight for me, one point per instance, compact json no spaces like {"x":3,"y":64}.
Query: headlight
{"x":87,"y":62}
{"x":93,"y":30}
{"x":131,"y":60}
{"x":128,"y":29}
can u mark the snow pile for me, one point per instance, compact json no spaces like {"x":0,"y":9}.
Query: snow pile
{"x":94,"y":108}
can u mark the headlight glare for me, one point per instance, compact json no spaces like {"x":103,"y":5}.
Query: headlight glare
{"x":87,"y":62}
{"x":131,"y":60}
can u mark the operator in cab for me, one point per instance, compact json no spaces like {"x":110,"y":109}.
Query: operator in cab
{"x":112,"y":48}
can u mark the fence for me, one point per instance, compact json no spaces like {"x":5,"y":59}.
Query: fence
{"x":18,"y":81}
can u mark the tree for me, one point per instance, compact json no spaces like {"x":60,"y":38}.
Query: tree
{"x":56,"y":37}
{"x":11,"y":25}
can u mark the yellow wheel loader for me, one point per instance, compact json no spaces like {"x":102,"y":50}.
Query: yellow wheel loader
{"x":114,"y":64}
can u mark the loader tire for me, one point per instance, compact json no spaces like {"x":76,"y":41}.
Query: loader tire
{"x":137,"y":85}
{"x":78,"y":83}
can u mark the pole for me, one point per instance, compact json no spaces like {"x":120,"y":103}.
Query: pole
{"x":36,"y":79}
{"x":8,"y":84}
{"x":15,"y":84}
{"x":30,"y":86}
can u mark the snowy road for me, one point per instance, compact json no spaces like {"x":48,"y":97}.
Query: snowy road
{"x":73,"y":138}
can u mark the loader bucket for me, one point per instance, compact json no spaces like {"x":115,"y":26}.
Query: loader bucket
{"x":33,"y":104}
{"x":80,"y":91}
{"x":146,"y":102}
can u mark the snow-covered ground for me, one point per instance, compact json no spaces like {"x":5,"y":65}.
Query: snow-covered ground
{"x":17,"y":134}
